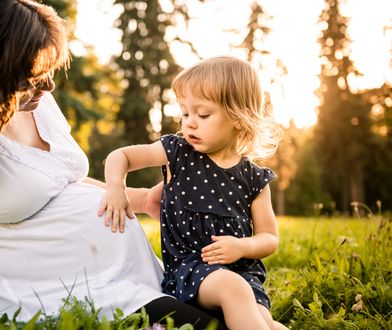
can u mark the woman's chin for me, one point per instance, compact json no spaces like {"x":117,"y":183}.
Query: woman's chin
{"x":29,"y":106}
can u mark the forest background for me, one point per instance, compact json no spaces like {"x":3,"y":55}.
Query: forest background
{"x":340,"y":165}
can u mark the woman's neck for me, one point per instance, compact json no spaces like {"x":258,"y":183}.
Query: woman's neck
{"x":23,"y":130}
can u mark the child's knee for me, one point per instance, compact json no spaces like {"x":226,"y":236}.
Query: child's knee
{"x":266,"y":315}
{"x":229,"y":283}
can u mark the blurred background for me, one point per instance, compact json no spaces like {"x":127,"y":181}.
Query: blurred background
{"x":325,"y":66}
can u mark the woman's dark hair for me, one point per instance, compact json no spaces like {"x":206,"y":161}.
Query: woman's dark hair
{"x":33,"y":43}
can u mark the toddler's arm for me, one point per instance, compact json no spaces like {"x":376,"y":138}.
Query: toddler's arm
{"x":228,"y":249}
{"x":118,"y":163}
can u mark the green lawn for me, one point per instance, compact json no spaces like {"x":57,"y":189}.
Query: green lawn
{"x":328,"y":273}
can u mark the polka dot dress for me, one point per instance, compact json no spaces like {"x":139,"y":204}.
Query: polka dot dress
{"x":202,"y":199}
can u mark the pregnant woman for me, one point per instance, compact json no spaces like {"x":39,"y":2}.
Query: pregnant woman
{"x":52,"y":243}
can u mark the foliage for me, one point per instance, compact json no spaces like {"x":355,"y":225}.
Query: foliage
{"x":76,"y":314}
{"x":333,"y":274}
{"x":305,"y":195}
{"x":147,"y":69}
{"x":345,"y":138}
{"x":330,"y":273}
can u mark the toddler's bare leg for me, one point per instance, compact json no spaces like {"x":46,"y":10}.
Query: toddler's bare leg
{"x":229,"y":291}
{"x":275,"y":325}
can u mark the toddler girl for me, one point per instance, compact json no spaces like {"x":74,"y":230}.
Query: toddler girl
{"x":217,"y":220}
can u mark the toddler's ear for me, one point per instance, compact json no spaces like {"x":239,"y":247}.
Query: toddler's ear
{"x":238,"y":125}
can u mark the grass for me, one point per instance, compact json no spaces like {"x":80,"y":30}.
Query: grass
{"x":333,"y":273}
{"x":329,"y":273}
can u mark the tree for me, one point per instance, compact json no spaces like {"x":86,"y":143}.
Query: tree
{"x":76,"y":91}
{"x":147,"y":69}
{"x":254,"y":43}
{"x":343,"y":131}
{"x":86,"y":93}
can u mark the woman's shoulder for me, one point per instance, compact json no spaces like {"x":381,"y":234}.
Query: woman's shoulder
{"x":49,"y":112}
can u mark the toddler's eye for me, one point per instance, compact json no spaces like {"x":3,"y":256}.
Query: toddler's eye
{"x":185,"y":115}
{"x":204,"y":116}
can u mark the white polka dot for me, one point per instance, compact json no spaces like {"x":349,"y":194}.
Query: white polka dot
{"x":190,"y":203}
{"x":188,"y":233}
{"x":222,"y":184}
{"x":210,"y":206}
{"x":198,"y":172}
{"x":182,"y":192}
{"x":212,"y":191}
{"x":240,"y":187}
{"x":182,"y":168}
{"x":230,"y":193}
{"x":208,"y":166}
{"x":221,"y":200}
{"x":201,"y":197}
{"x":192,"y":163}
{"x":188,"y":178}
{"x":232,"y":178}
{"x":221,"y":230}
{"x":229,"y":208}
{"x":215,"y":175}
{"x":194,"y":188}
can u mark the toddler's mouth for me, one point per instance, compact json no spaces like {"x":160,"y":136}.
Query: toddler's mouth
{"x":193,"y":138}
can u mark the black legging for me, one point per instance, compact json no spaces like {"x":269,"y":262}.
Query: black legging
{"x":183,"y":313}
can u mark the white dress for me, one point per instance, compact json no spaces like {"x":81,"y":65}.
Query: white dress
{"x":52,"y":243}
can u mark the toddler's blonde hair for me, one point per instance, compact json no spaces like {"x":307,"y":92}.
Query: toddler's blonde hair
{"x":234,"y":85}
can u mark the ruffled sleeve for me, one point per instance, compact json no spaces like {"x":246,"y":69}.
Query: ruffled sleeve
{"x":261,"y":177}
{"x":176,"y":149}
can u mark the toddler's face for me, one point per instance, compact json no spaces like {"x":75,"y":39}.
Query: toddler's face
{"x":205,"y":125}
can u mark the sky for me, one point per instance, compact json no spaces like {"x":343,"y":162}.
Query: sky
{"x":293,"y":40}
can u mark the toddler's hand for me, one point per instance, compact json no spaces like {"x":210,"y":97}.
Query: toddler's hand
{"x":223,"y":250}
{"x":117,"y":206}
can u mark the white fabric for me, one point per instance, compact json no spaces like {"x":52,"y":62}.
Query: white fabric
{"x":64,"y":247}
{"x":42,"y":174}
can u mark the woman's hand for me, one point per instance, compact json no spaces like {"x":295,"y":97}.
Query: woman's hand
{"x":223,"y":250}
{"x":117,"y":206}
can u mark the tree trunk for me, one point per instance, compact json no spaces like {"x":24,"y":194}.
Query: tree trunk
{"x":280,"y":202}
{"x":357,"y":191}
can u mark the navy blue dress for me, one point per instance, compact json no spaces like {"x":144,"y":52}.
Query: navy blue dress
{"x":202,"y":199}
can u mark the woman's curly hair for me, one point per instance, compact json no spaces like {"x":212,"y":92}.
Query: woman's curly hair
{"x":33,"y":43}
